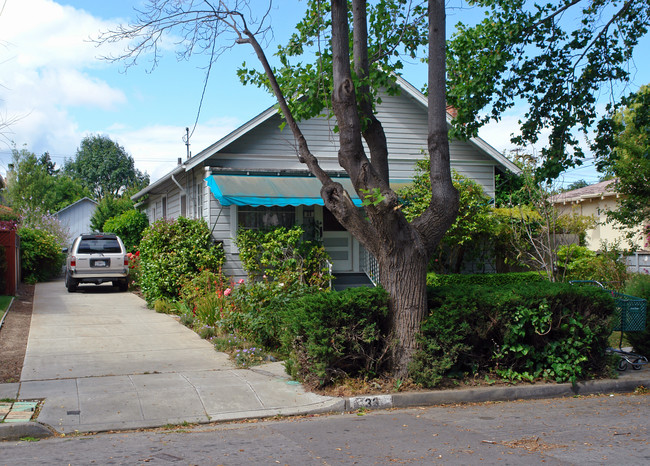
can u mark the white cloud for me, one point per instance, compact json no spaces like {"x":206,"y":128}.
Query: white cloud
{"x":45,"y":57}
{"x":43,"y":33}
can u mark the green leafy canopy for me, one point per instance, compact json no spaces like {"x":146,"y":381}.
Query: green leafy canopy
{"x":554,"y":57}
{"x":623,"y":150}
{"x":105,"y":168}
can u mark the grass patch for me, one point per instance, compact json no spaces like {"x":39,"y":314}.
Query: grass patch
{"x":4,"y":303}
{"x":615,"y":338}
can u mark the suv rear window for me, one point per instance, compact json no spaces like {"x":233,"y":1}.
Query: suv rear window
{"x":98,"y":246}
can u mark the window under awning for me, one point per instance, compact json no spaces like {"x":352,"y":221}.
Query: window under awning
{"x":271,"y":190}
{"x":276,"y":190}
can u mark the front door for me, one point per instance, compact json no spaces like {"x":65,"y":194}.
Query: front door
{"x":338,"y":243}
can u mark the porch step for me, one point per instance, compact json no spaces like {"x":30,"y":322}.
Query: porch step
{"x":342,"y":281}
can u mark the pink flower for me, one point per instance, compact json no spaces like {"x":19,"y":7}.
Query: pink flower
{"x":241,"y":281}
{"x":227,"y":292}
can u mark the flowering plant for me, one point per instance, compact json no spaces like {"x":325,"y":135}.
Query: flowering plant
{"x":247,"y":357}
{"x":134,"y":268}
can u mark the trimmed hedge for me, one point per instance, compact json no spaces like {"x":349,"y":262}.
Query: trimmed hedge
{"x":554,"y":331}
{"x":486,"y":279}
{"x":332,"y":335}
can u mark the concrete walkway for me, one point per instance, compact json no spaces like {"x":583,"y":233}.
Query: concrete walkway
{"x":101,"y":360}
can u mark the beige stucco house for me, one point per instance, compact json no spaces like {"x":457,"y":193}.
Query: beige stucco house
{"x":594,"y":201}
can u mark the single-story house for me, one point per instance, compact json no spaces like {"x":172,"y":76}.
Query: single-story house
{"x":76,"y":217}
{"x":595,"y":201}
{"x":252,"y":178}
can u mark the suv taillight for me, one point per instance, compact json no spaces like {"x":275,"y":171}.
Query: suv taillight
{"x":73,"y":261}
{"x":126,"y":261}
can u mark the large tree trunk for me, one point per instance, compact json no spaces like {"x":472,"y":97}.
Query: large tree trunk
{"x":402,"y":249}
{"x":403,"y":275}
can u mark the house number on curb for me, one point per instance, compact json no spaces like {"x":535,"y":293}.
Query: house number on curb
{"x":378,"y":401}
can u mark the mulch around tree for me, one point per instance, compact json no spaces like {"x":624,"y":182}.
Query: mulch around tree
{"x":14,"y":334}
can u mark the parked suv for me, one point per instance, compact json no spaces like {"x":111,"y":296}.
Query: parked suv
{"x":96,"y":258}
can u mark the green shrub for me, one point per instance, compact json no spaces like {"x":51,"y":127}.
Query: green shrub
{"x":108,"y":208}
{"x":281,"y":254}
{"x":164,"y":307}
{"x":330,"y":335}
{"x":128,"y":226}
{"x":579,"y":263}
{"x":172,"y":251}
{"x":258,"y":308}
{"x":40,"y":255}
{"x":639,"y":286}
{"x":554,"y":331}
{"x":487,"y":279}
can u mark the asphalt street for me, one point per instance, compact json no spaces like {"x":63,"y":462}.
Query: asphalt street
{"x":604,"y":429}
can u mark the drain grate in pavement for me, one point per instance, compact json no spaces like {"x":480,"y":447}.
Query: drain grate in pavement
{"x":75,"y":412}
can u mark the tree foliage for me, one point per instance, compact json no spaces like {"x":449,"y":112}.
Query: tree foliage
{"x":474,"y":218}
{"x":534,"y":228}
{"x":33,"y":184}
{"x":623,"y":150}
{"x":553,"y":56}
{"x":129,"y":226}
{"x":108,"y":208}
{"x":105,"y":168}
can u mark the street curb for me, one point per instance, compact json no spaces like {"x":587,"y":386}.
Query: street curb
{"x":483,"y":394}
{"x":19,"y":430}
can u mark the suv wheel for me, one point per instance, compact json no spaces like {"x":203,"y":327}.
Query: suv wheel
{"x":122,"y":285}
{"x":70,"y":283}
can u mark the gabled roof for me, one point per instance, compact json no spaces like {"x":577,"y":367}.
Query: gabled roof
{"x":599,"y":190}
{"x":477,"y":141}
{"x":271,"y":111}
{"x":83,"y":199}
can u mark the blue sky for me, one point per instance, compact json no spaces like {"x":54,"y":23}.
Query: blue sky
{"x":57,"y":90}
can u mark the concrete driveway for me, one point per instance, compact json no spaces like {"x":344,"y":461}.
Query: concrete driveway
{"x":101,"y":360}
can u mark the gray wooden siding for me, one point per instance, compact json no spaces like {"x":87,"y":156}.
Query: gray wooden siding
{"x":405,"y":123}
{"x":222,"y":230}
{"x":77,"y":218}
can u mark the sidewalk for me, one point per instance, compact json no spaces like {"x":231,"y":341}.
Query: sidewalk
{"x":100,"y":360}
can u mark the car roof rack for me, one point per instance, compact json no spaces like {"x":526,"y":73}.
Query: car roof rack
{"x":98,"y":234}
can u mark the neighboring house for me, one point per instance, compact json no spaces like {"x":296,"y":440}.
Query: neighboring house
{"x":76,"y":217}
{"x":595,"y":200}
{"x":252,"y":177}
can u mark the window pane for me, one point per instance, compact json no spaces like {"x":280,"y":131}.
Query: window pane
{"x":266,"y":217}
